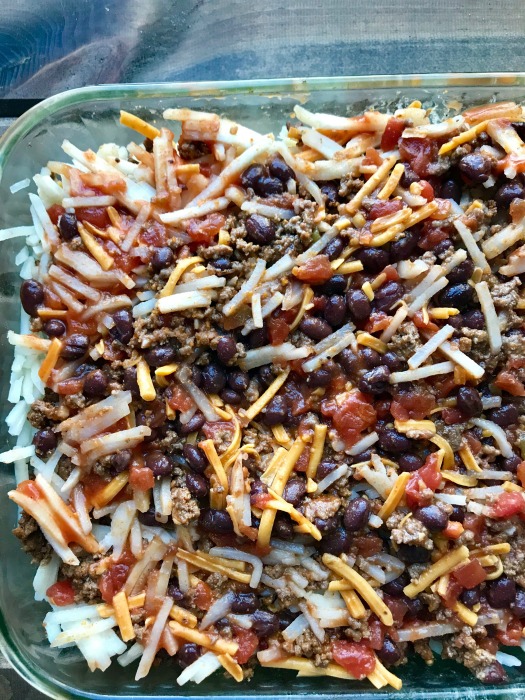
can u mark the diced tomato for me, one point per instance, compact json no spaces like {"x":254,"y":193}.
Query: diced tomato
{"x":444,"y":387}
{"x":154,"y":234}
{"x":392,"y":133}
{"x":141,"y":478}
{"x":112,"y":581}
{"x":385,"y":208}
{"x":248,"y":643}
{"x":427,"y":477}
{"x":507,"y":381}
{"x":376,"y":633}
{"x":218,"y":430}
{"x":397,"y":607}
{"x":315,"y":271}
{"x":355,"y":658}
{"x":490,"y":644}
{"x":430,"y":473}
{"x":470,"y":575}
{"x":378,"y":321}
{"x":260,"y":500}
{"x":512,"y":636}
{"x":430,"y":239}
{"x":98,"y":216}
{"x":368,"y":545}
{"x":508,"y":504}
{"x":517,"y":210}
{"x":68,"y":387}
{"x":391,"y":273}
{"x":372,"y":157}
{"x":474,"y":523}
{"x":205,"y":230}
{"x":521,"y":473}
{"x":419,"y":153}
{"x":427,"y":191}
{"x":302,"y":463}
{"x":443,"y":210}
{"x":416,"y":403}
{"x":453,"y":530}
{"x":203,"y":596}
{"x":452,"y":415}
{"x":382,"y":407}
{"x":29,"y":489}
{"x":278,"y":330}
{"x":102,"y":183}
{"x":353,"y":416}
{"x":473,"y":443}
{"x":55,"y":211}
{"x":454,"y":588}
{"x":61,"y":593}
{"x":178,"y":398}
{"x":421,"y":322}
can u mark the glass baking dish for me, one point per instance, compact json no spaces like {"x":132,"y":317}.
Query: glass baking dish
{"x":89,"y":117}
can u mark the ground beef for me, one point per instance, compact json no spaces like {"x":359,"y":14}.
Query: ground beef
{"x":82,"y":578}
{"x":406,"y":341}
{"x":410,"y":531}
{"x":41,"y":412}
{"x":33,"y":541}
{"x":504,"y":294}
{"x":191,"y":150}
{"x":322,"y":507}
{"x":422,"y":648}
{"x":185,"y":507}
{"x":464,"y":648}
{"x":309,"y":646}
{"x":453,"y":434}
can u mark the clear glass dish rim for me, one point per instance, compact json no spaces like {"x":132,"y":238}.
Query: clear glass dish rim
{"x":270,"y":87}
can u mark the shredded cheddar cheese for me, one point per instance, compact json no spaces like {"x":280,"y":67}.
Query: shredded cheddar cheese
{"x":439,"y":568}
{"x":394,"y":497}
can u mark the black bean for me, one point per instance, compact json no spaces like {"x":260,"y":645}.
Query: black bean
{"x":365,"y":456}
{"x":335,"y":310}
{"x":393,"y":361}
{"x":451,"y":189}
{"x":159,"y":464}
{"x":154,"y":415}
{"x":197,"y":485}
{"x":330,"y":191}
{"x":315,"y":328}
{"x":54,"y":328}
{"x":349,"y":361}
{"x":335,"y":285}
{"x":334,"y":248}
{"x":84,"y":369}
{"x":226,"y":349}
{"x":470,"y":597}
{"x":518,"y":606}
{"x":395,"y":587}
{"x":245,"y":603}
{"x":389,"y":652}
{"x":391,"y":440}
{"x":404,"y":247}
{"x":175,"y":593}
{"x":501,"y":593}
{"x":130,"y":381}
{"x":195,"y":457}
{"x":413,"y":555}
{"x":276,"y":411}
{"x":196,"y":376}
{"x":462,"y":272}
{"x":238,"y":380}
{"x":259,"y":229}
{"x":256,"y":488}
{"x":268,"y":186}
{"x":213,"y":520}
{"x":375,"y":381}
{"x":476,"y":167}
{"x":213,"y":379}
{"x":160,"y":355}
{"x":194,"y":424}
{"x":123,"y":328}
{"x":370,"y":357}
{"x":251,"y":176}
{"x":230,"y":396}
{"x":415,"y":607}
{"x":294,"y":491}
{"x":325,"y":468}
{"x":410,"y":462}
{"x":95,"y":384}
{"x":266,"y":374}
{"x":504,"y":416}
{"x":279,"y":169}
{"x":319,"y":377}
{"x":495,"y":674}
{"x":336,"y":542}
{"x":120,"y":461}
{"x":75,"y":347}
{"x":373,"y":259}
{"x":221,"y":264}
{"x":509,"y":191}
{"x":510,"y":464}
{"x":387,"y":295}
{"x":442,"y":248}
{"x":286,"y":618}
{"x":31,"y":296}
{"x":264,"y":623}
{"x":409,"y":176}
{"x":433,"y":517}
{"x":469,"y":402}
{"x":161,"y":258}
{"x":283,"y":528}
{"x":258,"y":337}
{"x":356,"y":514}
{"x":68,"y":226}
{"x":459,"y":296}
{"x":472,"y":319}
{"x":148,"y":518}
{"x":188,"y":654}
{"x":358,"y":304}
{"x":458,"y":514}
{"x":44,"y":441}
{"x":326,"y":524}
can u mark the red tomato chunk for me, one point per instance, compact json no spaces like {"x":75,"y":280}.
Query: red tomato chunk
{"x":355,"y":658}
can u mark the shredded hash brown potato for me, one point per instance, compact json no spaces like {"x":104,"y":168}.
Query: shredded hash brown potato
{"x":267,"y":394}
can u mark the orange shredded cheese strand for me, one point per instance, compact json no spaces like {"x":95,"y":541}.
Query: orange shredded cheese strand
{"x":50,"y":360}
{"x":267,"y":396}
{"x":230,"y":665}
{"x":394,"y":497}
{"x":108,"y":493}
{"x":353,"y":603}
{"x":439,"y":568}
{"x":105,"y":260}
{"x":208,"y":447}
{"x":146,"y":387}
{"x":307,"y":298}
{"x":462,"y":138}
{"x":468,"y":459}
{"x":370,"y":185}
{"x":123,"y":617}
{"x":218,"y":645}
{"x":138,"y":124}
{"x":184,"y":617}
{"x":392,"y":182}
{"x":316,"y":453}
{"x":209,"y":563}
{"x":180,"y":268}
